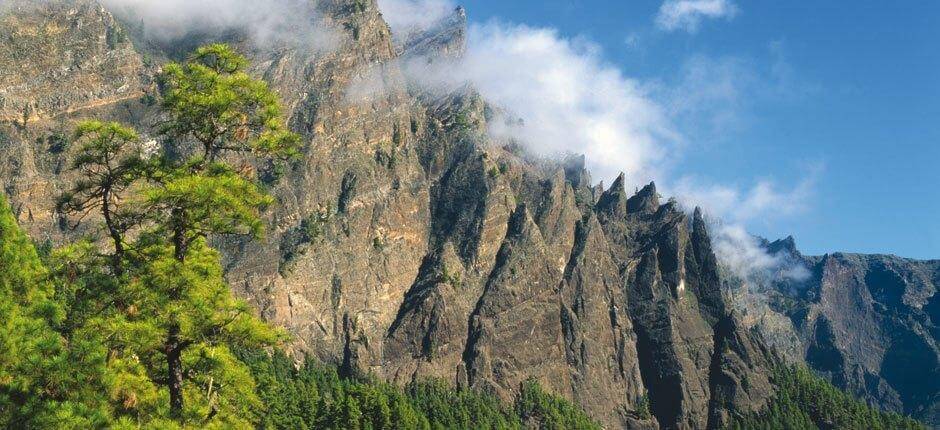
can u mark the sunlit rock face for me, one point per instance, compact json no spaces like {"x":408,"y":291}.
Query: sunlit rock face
{"x":409,"y":243}
{"x":58,"y":60}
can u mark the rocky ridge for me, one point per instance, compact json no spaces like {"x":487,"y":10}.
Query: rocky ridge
{"x":407,"y":242}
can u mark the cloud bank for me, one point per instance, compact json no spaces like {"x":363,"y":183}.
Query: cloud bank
{"x":688,"y":15}
{"x":405,"y":16}
{"x":747,"y":257}
{"x":568,"y":98}
{"x":264,"y":21}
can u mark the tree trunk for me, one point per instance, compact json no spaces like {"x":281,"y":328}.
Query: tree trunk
{"x":174,"y":363}
{"x":174,"y":345}
{"x":117,"y":259}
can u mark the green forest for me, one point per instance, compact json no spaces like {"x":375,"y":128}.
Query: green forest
{"x":135,"y":326}
{"x":804,"y":401}
{"x":315,"y":396}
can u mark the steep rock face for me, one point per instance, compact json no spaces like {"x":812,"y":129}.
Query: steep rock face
{"x":446,"y":38}
{"x":675,"y":301}
{"x":599,"y":336}
{"x":59,"y":45}
{"x":870,"y":324}
{"x":352,"y":222}
{"x":408,"y":243}
{"x":59,"y":60}
{"x":871,"y":329}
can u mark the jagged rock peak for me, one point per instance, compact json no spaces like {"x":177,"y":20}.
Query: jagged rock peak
{"x":575,"y":172}
{"x":786,"y":245}
{"x":645,"y":200}
{"x":613,"y":202}
{"x":698,"y":220}
{"x":447,"y":38}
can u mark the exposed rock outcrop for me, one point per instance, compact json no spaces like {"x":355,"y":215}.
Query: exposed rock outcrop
{"x":409,"y":243}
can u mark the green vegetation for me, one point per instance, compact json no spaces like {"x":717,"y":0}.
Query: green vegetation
{"x":643,"y":407}
{"x":299,"y":240}
{"x":140,"y":333}
{"x":315,"y":396}
{"x":148,"y":100}
{"x":451,"y":278}
{"x":551,"y":412}
{"x":57,"y":143}
{"x":806,"y":401}
{"x":68,"y":367}
{"x":493,"y":173}
{"x":32,"y":384}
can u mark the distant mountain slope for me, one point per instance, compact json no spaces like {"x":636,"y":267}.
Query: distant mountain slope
{"x":869,"y":323}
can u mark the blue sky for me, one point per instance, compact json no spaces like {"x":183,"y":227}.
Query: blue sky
{"x":838,"y":99}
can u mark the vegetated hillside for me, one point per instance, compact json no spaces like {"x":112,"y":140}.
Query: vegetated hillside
{"x":52,"y":375}
{"x":315,"y":396}
{"x":406,"y":242}
{"x":806,"y":401}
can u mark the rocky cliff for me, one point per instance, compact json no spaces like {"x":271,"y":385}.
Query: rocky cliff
{"x":408,"y":243}
{"x":869,"y":323}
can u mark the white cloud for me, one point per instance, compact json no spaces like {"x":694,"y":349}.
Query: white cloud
{"x":746,"y":257}
{"x":568,"y":98}
{"x":404,"y":16}
{"x":687,"y":15}
{"x":763,"y":201}
{"x":265,"y":21}
{"x":731,"y":209}
{"x":740,"y":251}
{"x":710,"y":95}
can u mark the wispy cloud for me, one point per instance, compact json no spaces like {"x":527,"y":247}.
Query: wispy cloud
{"x":404,"y":16}
{"x":747,"y":257}
{"x":710,"y":95}
{"x":713,"y":98}
{"x":765,"y":200}
{"x":569,"y":99}
{"x":271,"y":22}
{"x":688,"y":15}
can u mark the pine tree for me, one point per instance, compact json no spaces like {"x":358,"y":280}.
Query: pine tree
{"x":210,"y":99}
{"x":109,"y":161}
{"x":44,"y":380}
{"x":169,"y":326}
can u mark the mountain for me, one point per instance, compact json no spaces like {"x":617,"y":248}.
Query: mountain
{"x":868,"y":323}
{"x":408,"y":243}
